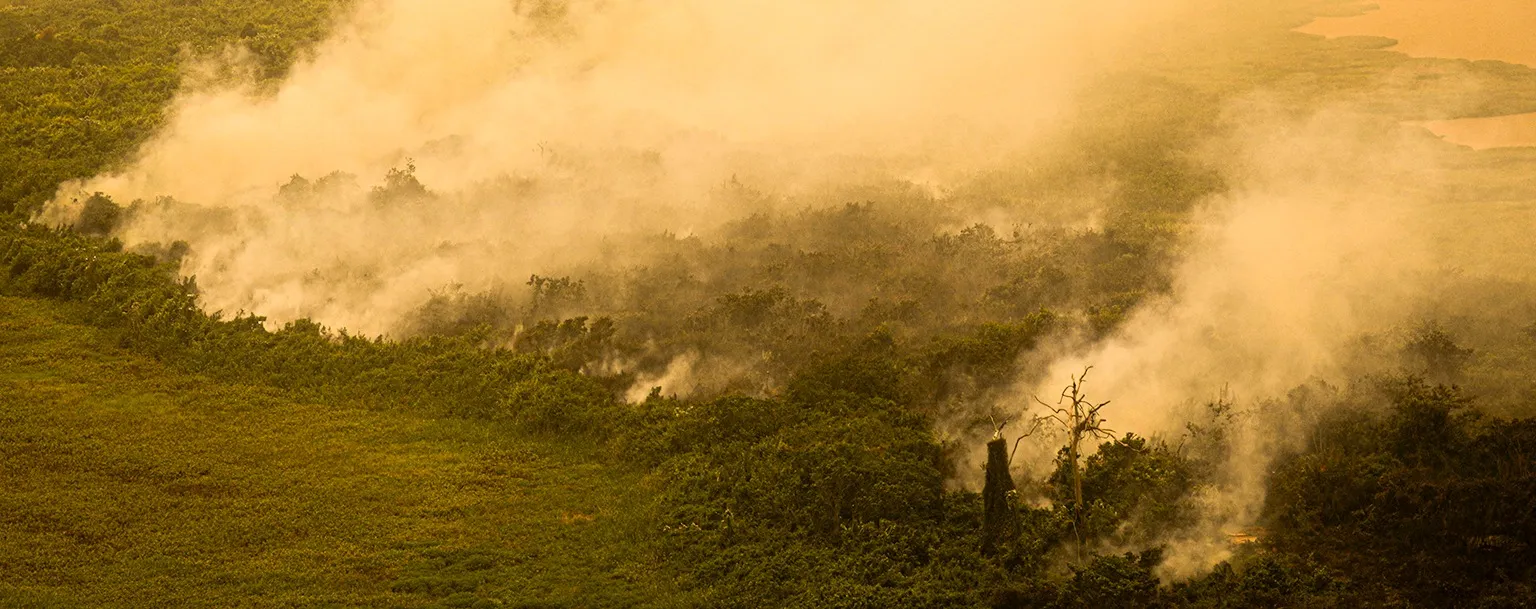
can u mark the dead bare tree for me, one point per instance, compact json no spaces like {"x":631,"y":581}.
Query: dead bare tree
{"x":998,"y":517}
{"x":997,"y":514}
{"x":1080,"y":418}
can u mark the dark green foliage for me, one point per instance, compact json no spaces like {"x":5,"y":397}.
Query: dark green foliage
{"x":557,"y":402}
{"x":82,"y":83}
{"x":1434,"y":353}
{"x":456,"y":314}
{"x":841,"y":472}
{"x":1422,"y":496}
{"x":1114,"y":581}
{"x":812,"y":478}
{"x":1269,"y":579}
{"x":99,"y":215}
{"x":1132,"y":482}
{"x":572,"y":344}
{"x":1106,"y":581}
{"x":768,"y":325}
{"x":554,"y":295}
{"x":787,"y":463}
{"x":158,"y":314}
{"x":998,"y":498}
{"x":962,"y":364}
{"x":773,"y":290}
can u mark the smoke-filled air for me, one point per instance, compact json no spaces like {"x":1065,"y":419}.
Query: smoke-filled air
{"x":839,"y":303}
{"x":540,"y":129}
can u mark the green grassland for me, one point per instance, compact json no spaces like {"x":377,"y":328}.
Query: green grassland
{"x":124,"y":483}
{"x":155,"y":454}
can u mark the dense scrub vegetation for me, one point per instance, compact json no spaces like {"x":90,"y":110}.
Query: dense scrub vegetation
{"x":811,"y":475}
{"x":82,"y":82}
{"x":832,"y":491}
{"x":1418,"y":490}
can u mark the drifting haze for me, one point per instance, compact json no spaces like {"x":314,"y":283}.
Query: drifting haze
{"x":1312,"y":247}
{"x":1472,"y":29}
{"x":1480,"y":30}
{"x":545,"y":133}
{"x":544,"y":126}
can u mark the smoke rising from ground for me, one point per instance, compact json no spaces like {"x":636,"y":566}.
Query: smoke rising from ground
{"x":543,"y":126}
{"x":1314,"y":246}
{"x":468,"y":145}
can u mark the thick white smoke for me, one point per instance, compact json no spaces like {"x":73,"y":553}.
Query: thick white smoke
{"x":545,"y":125}
{"x":1317,"y":243}
{"x":542,"y":127}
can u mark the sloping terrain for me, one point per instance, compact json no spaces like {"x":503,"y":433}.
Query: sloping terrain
{"x":126,"y":484}
{"x":1314,"y":319}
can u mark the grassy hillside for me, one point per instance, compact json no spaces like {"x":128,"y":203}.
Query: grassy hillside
{"x":127,"y":484}
{"x":154,"y":452}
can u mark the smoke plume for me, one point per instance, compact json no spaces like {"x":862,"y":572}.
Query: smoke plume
{"x":539,"y":127}
{"x":464,"y":146}
{"x":1317,"y":243}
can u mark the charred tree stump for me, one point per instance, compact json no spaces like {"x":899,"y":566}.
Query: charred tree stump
{"x":997,"y":520}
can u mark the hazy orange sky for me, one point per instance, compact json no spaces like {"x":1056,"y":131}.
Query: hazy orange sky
{"x":1467,"y":29}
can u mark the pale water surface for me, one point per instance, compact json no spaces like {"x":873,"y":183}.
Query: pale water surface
{"x":1491,"y":132}
{"x":1501,"y":30}
{"x":1464,"y":29}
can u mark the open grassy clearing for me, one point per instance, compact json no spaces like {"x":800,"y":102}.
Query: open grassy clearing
{"x":124,"y":483}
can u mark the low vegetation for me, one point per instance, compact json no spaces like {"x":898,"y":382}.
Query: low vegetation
{"x":153,"y":453}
